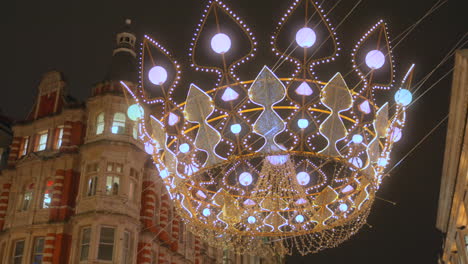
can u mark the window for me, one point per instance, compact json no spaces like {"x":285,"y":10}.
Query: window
{"x":42,"y":141}
{"x":117,"y":167}
{"x":47,"y":199}
{"x":106,"y":243}
{"x":127,"y":248}
{"x":118,"y":124}
{"x":38,"y":250}
{"x":131,"y":191}
{"x":91,"y":190}
{"x":100,"y":124}
{"x":59,"y":137}
{"x":85,"y":241}
{"x":27,"y":197}
{"x":18,"y":252}
{"x":112,"y":185}
{"x":24,"y":146}
{"x":135,"y":131}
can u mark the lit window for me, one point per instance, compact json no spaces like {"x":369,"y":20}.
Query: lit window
{"x":18,"y":252}
{"x":92,"y":182}
{"x":106,"y":243}
{"x":47,"y":199}
{"x":27,"y":197}
{"x":127,"y":248}
{"x":85,"y":241}
{"x":59,"y":135}
{"x":100,"y":124}
{"x":24,"y":146}
{"x":42,"y":141}
{"x":112,"y":185}
{"x":38,"y":250}
{"x":118,"y":124}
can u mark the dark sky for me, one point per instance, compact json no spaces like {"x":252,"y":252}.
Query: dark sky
{"x":77,"y":38}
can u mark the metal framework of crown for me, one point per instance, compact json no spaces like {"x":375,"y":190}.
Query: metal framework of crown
{"x":271,"y":165}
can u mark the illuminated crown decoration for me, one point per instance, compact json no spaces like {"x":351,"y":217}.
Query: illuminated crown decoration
{"x":271,"y":165}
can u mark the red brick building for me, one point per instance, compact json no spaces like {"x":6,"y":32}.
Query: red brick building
{"x":79,"y":187}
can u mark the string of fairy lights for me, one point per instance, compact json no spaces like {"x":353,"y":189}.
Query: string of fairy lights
{"x":279,"y":165}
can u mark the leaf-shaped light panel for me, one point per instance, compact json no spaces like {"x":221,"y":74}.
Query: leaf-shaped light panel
{"x":199,"y":106}
{"x":372,"y":59}
{"x":266,"y":91}
{"x":218,"y":47}
{"x":336,"y":97}
{"x":159,"y":72}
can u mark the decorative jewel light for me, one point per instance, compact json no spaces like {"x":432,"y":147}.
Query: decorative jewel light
{"x":277,"y":187}
{"x":221,"y":43}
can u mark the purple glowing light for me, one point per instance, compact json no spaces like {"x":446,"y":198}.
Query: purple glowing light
{"x":221,"y":43}
{"x":375,"y":59}
{"x":365,"y":107}
{"x":245,"y":178}
{"x":305,"y":37}
{"x":304,"y":89}
{"x":229,"y":95}
{"x":303,"y":178}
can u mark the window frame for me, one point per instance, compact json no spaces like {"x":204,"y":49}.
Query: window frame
{"x":48,"y":190}
{"x":34,"y":252}
{"x":13,"y":255}
{"x":58,"y":137}
{"x":100,"y":124}
{"x":112,"y":190}
{"x":127,"y":248}
{"x":24,"y":146}
{"x":100,"y":243}
{"x":82,"y":243}
{"x":118,"y":121}
{"x":41,"y":146}
{"x":91,"y":185}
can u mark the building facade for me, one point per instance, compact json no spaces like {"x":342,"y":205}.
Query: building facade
{"x":79,"y":187}
{"x":453,"y":199}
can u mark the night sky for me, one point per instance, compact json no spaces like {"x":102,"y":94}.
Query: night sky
{"x":77,"y":39}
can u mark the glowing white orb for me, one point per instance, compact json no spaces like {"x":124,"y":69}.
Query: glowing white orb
{"x":395,"y":134}
{"x":375,"y":59}
{"x":206,"y":212}
{"x":403,"y":97}
{"x":303,"y":178}
{"x":221,"y":43}
{"x":343,"y":207}
{"x":299,"y":218}
{"x":157,"y":75}
{"x":305,"y":37}
{"x":357,"y":162}
{"x":302,"y":123}
{"x":164,"y":173}
{"x":357,"y":139}
{"x":251,"y":220}
{"x":135,"y":111}
{"x":149,"y":148}
{"x":184,"y":148}
{"x":245,"y":178}
{"x":382,"y":162}
{"x":304,"y":89}
{"x":236,"y":128}
{"x":277,"y":159}
{"x":229,"y":95}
